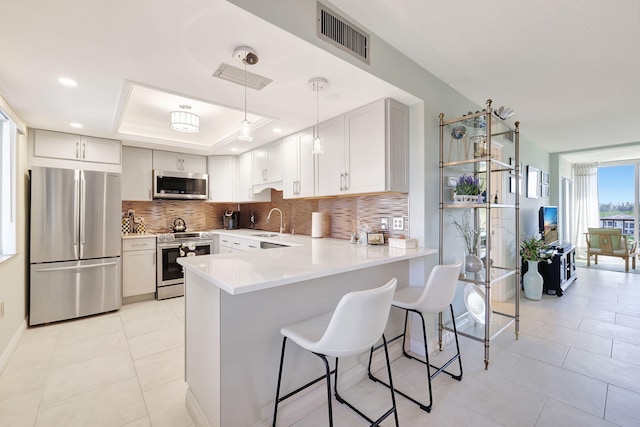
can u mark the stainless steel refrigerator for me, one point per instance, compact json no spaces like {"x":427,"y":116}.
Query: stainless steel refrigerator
{"x":75,"y":265}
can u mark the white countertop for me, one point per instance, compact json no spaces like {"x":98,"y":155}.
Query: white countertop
{"x":307,"y":258}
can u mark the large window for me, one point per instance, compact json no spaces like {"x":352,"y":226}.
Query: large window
{"x":616,"y":194}
{"x":8,"y":177}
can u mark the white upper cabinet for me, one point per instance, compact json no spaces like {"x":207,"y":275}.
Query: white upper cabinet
{"x":48,"y":148}
{"x":169,"y":161}
{"x":365,"y":151}
{"x":244,"y":186}
{"x":137,"y":174}
{"x":298,"y":168}
{"x":222,"y":177}
{"x":331,"y":178}
{"x":366,"y":159}
{"x":267,"y":163}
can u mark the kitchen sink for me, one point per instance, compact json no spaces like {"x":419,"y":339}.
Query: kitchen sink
{"x":267,"y":235}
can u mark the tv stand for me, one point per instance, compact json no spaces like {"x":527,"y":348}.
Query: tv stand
{"x":561,"y":272}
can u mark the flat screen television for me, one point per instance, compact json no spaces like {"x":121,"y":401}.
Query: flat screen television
{"x":548,"y":224}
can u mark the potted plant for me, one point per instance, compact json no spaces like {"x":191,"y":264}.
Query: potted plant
{"x":533,"y":250}
{"x":467,"y":189}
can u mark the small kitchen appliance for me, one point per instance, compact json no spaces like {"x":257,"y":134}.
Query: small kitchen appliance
{"x":179,"y":226}
{"x":231,"y":220}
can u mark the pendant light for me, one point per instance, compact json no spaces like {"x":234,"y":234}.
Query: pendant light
{"x":248,"y":57}
{"x":317,"y":84}
{"x":185,"y":121}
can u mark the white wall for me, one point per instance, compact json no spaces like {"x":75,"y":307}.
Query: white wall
{"x":392,"y":66}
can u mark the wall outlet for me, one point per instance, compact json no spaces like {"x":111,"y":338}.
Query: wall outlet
{"x":384,"y":223}
{"x":398,"y":223}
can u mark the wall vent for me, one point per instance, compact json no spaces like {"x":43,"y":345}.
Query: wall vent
{"x":236,"y":75}
{"x":341,"y":33}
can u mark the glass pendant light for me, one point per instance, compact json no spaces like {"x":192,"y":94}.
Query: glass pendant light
{"x":246,"y":130}
{"x":247,"y":56}
{"x":317,"y":84}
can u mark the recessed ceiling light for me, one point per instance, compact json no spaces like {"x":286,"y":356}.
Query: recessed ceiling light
{"x":234,"y":149}
{"x":277,"y":130}
{"x":67,"y":82}
{"x":75,"y":125}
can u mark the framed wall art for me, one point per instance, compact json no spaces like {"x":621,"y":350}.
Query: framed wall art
{"x":544,"y":178}
{"x":532,"y":182}
{"x":544,"y":190}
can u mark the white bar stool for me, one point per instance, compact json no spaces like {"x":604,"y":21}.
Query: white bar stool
{"x":355,"y":326}
{"x":437,"y":294}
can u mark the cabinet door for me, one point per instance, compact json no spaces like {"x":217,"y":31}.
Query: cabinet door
{"x":306,"y":178}
{"x":166,"y":161}
{"x":100,"y":150}
{"x":244,"y":189}
{"x":330,"y":180}
{"x":221,"y":178}
{"x":138,"y":272}
{"x":274,"y":167}
{"x":365,"y":129}
{"x":193,"y":163}
{"x":397,"y":146}
{"x":291,"y":166}
{"x":137,"y":173}
{"x":260,"y":168}
{"x":56,"y":145}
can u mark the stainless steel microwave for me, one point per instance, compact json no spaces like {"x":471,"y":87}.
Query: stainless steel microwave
{"x":180,"y":185}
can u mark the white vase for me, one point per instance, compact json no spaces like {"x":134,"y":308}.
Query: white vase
{"x":472,"y":263}
{"x":532,"y":281}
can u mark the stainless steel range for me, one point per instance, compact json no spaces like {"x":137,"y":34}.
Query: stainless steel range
{"x":170,"y":277}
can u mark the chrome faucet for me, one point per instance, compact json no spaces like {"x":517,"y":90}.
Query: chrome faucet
{"x":269,"y":216}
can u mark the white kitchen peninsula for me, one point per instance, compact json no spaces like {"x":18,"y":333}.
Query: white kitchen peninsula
{"x":236,"y":304}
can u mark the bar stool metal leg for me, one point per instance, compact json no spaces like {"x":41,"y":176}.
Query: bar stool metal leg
{"x":430,"y":375}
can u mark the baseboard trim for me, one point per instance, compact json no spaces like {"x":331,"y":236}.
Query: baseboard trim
{"x":11,"y":347}
{"x":197,"y":416}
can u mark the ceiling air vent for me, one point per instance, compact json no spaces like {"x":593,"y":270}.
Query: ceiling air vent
{"x":336,"y":30}
{"x":236,"y":75}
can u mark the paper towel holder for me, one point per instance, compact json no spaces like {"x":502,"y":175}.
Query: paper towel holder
{"x":316,"y":225}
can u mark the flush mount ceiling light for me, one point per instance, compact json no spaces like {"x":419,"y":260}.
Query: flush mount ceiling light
{"x":184,"y":121}
{"x":247,"y":56}
{"x":317,"y":84}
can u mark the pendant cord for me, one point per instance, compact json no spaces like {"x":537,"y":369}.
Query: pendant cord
{"x":245,"y":89}
{"x":317,"y":110}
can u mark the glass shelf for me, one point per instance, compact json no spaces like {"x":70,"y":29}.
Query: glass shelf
{"x":497,"y":274}
{"x":452,"y":205}
{"x":469,"y":328}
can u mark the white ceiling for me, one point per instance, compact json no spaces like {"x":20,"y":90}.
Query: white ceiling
{"x":569,"y":70}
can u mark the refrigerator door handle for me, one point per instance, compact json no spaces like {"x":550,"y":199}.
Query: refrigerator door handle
{"x":77,"y":267}
{"x":83,"y":193}
{"x":76,"y":207}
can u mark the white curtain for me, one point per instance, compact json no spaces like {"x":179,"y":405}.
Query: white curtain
{"x":587,"y":207}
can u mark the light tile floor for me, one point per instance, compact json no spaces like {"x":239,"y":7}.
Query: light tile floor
{"x":577,"y":363}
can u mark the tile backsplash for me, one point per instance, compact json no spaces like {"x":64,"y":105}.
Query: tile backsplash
{"x":341,"y":215}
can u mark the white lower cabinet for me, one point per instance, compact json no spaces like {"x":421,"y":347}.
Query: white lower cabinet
{"x":138,"y":266}
{"x":230,"y":244}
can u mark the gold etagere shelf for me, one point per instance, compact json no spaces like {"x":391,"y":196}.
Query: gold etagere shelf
{"x":478,"y":147}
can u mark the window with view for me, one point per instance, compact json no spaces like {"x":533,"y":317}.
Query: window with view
{"x":8,"y":171}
